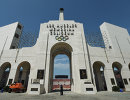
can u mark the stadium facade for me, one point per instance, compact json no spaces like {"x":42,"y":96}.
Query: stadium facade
{"x":92,"y":69}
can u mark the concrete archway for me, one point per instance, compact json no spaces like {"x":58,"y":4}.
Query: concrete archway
{"x":58,"y":48}
{"x":117,"y":72}
{"x":4,"y":74}
{"x":98,"y":68}
{"x":22,"y":73}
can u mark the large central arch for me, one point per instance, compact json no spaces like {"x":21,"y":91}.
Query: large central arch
{"x":59,"y":48}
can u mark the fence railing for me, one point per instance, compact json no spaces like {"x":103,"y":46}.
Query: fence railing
{"x":27,"y":40}
{"x":94,"y":39}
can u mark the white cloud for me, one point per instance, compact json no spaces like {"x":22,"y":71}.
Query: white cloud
{"x":61,"y":59}
{"x":61,"y":66}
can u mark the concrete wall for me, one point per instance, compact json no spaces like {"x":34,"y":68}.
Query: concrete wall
{"x":79,"y":55}
{"x":118,"y":38}
{"x":82,"y":57}
{"x":7,"y":35}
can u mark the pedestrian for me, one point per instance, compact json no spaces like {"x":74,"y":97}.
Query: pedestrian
{"x":61,"y":89}
{"x":2,"y":90}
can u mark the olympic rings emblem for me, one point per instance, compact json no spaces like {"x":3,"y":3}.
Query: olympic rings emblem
{"x":60,"y":38}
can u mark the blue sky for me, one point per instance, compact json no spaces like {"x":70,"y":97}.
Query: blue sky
{"x":61,"y":65}
{"x":92,"y":13}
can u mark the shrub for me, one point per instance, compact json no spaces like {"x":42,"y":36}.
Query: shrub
{"x":116,"y":88}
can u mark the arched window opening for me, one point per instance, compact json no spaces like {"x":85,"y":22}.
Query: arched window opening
{"x":4,"y":74}
{"x":22,"y":73}
{"x":100,"y":81}
{"x":117,"y":72}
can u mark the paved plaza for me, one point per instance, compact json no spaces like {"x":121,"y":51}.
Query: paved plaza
{"x":67,"y":96}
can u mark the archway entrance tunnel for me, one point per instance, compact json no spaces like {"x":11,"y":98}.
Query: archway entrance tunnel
{"x":4,"y":74}
{"x":60,"y":78}
{"x":117,"y":72}
{"x":22,"y":73}
{"x":98,"y":68}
